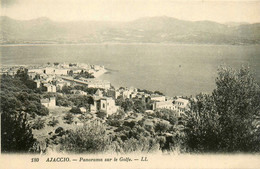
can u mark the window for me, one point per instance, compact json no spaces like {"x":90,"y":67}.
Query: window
{"x":104,"y":105}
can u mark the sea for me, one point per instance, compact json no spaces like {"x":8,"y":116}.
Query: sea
{"x":173,"y":69}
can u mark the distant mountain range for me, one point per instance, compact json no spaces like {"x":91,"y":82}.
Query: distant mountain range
{"x":144,"y":30}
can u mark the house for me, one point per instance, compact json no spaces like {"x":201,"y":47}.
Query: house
{"x":37,"y":71}
{"x":51,"y":102}
{"x":91,"y":83}
{"x":60,"y":84}
{"x":83,"y":109}
{"x":126,"y":94}
{"x":159,"y":98}
{"x":181,"y":105}
{"x":99,"y":93}
{"x":163,"y":105}
{"x":37,"y":83}
{"x":112,"y":93}
{"x":99,"y":84}
{"x":105,"y":104}
{"x":53,"y":71}
{"x":49,"y":87}
{"x":79,"y":92}
{"x":49,"y":70}
{"x":61,"y":71}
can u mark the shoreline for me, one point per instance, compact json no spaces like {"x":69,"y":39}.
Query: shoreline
{"x":118,"y":43}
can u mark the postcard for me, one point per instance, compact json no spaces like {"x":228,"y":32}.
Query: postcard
{"x":130,"y":84}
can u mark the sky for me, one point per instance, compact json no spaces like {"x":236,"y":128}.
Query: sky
{"x":126,"y":10}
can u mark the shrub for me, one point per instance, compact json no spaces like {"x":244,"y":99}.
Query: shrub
{"x":38,"y":124}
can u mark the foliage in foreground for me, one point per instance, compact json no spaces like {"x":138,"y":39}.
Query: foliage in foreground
{"x":16,"y":135}
{"x":226,"y":120}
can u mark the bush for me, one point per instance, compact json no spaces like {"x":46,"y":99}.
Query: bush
{"x":91,"y":138}
{"x":224,"y":121}
{"x":75,"y":110}
{"x":16,"y":134}
{"x":38,"y":124}
{"x":53,"y":122}
{"x":101,"y":114}
{"x":68,"y":118}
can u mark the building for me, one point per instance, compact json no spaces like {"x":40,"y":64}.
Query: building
{"x":37,"y":71}
{"x":126,"y":94}
{"x":112,"y":93}
{"x":90,"y":83}
{"x":105,"y":104}
{"x":49,"y":70}
{"x":79,"y":92}
{"x":51,"y":102}
{"x":99,"y":84}
{"x":60,"y":84}
{"x":61,"y":71}
{"x":181,"y":105}
{"x":108,"y":105}
{"x":83,"y":109}
{"x":54,"y":71}
{"x":37,"y":83}
{"x":99,"y":93}
{"x":49,"y":87}
{"x":163,"y":105}
{"x":158,"y":98}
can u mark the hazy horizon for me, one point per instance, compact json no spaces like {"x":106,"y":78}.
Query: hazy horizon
{"x":223,"y":11}
{"x":44,"y":17}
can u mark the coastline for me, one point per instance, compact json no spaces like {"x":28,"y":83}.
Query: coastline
{"x":118,"y":43}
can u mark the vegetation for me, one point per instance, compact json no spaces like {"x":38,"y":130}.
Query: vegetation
{"x":38,"y":124}
{"x":53,"y":122}
{"x":75,"y":110}
{"x":16,"y":134}
{"x":91,"y":138}
{"x":68,"y":118}
{"x":225,"y":121}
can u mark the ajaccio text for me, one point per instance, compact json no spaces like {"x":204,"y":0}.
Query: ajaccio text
{"x":58,"y":159}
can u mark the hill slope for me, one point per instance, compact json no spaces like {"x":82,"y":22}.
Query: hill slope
{"x":150,"y":30}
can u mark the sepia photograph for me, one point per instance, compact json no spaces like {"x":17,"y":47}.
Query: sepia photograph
{"x":130,"y":84}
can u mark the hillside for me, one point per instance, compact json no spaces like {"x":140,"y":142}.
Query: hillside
{"x":143,"y":30}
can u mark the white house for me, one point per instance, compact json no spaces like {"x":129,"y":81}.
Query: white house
{"x":50,"y":87}
{"x":79,"y":92}
{"x":181,"y":105}
{"x":37,"y":83}
{"x":163,"y":105}
{"x":158,"y":98}
{"x":108,"y":105}
{"x":51,"y":102}
{"x":105,"y":104}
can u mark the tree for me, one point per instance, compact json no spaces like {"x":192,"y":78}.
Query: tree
{"x":101,"y":114}
{"x":225,"y":120}
{"x":16,"y":134}
{"x":158,"y":92}
{"x":237,"y":99}
{"x":75,"y":110}
{"x":53,"y":122}
{"x":202,"y":125}
{"x":68,"y":118}
{"x":161,"y":127}
{"x":38,"y":124}
{"x":139,"y":106}
{"x":91,"y":138}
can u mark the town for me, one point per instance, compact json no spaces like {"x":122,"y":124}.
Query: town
{"x":52,"y":78}
{"x":66,"y":108}
{"x":61,"y":85}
